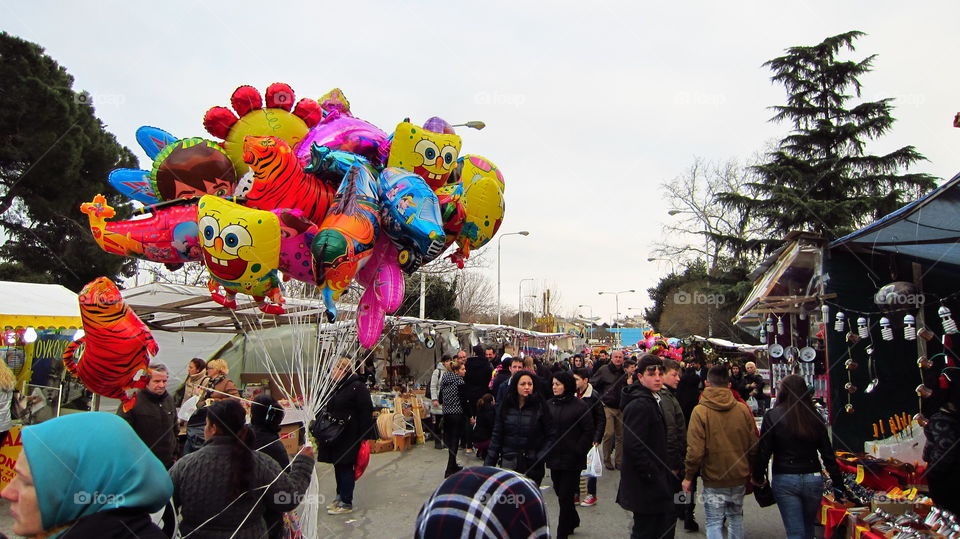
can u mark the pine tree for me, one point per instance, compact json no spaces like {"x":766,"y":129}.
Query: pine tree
{"x":54,"y":155}
{"x":819,"y":178}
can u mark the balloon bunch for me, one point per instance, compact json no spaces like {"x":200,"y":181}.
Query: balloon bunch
{"x":656,"y":344}
{"x":305,"y":190}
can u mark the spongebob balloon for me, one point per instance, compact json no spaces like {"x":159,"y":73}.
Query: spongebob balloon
{"x":428,"y":154}
{"x":241,"y":248}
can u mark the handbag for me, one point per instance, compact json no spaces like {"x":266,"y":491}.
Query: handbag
{"x":327,"y":428}
{"x":764,"y":495}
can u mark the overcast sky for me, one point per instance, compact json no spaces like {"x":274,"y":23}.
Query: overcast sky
{"x":589,"y":106}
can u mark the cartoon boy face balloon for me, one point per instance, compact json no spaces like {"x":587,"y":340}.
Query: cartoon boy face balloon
{"x":430,"y":155}
{"x":241,"y":246}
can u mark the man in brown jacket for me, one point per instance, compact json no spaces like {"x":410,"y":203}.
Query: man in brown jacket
{"x":721,"y":444}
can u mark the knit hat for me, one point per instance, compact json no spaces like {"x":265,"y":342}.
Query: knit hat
{"x":484,"y":502}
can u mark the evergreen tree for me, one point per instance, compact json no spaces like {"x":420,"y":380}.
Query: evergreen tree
{"x":819,"y":178}
{"x":441,"y":298}
{"x":54,"y":155}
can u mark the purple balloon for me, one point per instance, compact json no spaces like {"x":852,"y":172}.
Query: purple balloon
{"x":339,"y":131}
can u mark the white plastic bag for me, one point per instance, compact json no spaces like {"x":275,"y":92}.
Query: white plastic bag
{"x":752,"y":403}
{"x":188,"y":408}
{"x":594,"y":463}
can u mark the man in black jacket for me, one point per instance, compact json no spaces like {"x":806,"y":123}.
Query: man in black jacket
{"x":645,"y":487}
{"x":154,"y":416}
{"x":602,"y":380}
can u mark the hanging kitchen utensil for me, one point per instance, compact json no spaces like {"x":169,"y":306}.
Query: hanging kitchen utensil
{"x":871,"y":371}
{"x":775,"y":350}
{"x":791,"y":353}
{"x":808,"y":354}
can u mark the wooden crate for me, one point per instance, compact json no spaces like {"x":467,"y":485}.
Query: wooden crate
{"x":381,"y":446}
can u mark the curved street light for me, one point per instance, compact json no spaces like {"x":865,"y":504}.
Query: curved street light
{"x":499,"y":239}
{"x":616,"y":321}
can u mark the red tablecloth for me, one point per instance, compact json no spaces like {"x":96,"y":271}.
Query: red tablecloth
{"x":832,"y":515}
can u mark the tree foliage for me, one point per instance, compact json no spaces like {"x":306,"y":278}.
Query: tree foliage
{"x":441,"y":298}
{"x":54,"y":155}
{"x":820,"y":178}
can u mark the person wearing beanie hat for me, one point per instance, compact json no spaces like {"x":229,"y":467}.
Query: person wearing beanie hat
{"x":484,"y":502}
{"x":103,"y":483}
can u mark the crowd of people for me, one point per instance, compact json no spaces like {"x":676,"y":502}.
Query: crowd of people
{"x":663,"y":424}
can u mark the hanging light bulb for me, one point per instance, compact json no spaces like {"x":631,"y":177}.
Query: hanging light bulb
{"x":909,"y":329}
{"x":10,"y":337}
{"x":77,"y":335}
{"x":769,"y":323}
{"x":29,"y":335}
{"x":840,"y":324}
{"x":763,"y":333}
{"x":825,"y":313}
{"x":949,"y":324}
{"x":862,"y":329}
{"x":780,"y":329}
{"x":803,"y":315}
{"x":885,"y":330}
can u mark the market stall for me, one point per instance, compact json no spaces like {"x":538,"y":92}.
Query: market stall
{"x":875,"y":307}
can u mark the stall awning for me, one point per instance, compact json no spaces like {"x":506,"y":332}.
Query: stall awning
{"x":798,"y":260}
{"x":37,"y":305}
{"x":175,"y":307}
{"x":926,"y":229}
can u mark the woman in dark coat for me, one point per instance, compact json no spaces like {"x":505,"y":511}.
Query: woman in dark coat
{"x":350,"y":403}
{"x":736,"y":380}
{"x":523,"y":431}
{"x":568,"y":455}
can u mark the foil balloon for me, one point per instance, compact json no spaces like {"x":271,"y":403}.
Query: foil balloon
{"x":339,"y":130}
{"x":346,"y":237}
{"x":296,"y":236}
{"x":164,"y":233}
{"x":280,"y":182}
{"x":383,"y":292}
{"x":331,"y":166}
{"x":410,"y":214}
{"x":252,"y":118}
{"x":182,"y":168}
{"x":241,"y":248}
{"x":430,"y":155}
{"x":482,"y":201}
{"x":192,"y":167}
{"x":112,"y":357}
{"x":135,"y":184}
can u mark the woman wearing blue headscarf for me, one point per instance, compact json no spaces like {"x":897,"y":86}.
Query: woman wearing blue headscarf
{"x":86,"y":475}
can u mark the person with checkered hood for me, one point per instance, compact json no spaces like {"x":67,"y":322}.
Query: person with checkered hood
{"x":484,"y":503}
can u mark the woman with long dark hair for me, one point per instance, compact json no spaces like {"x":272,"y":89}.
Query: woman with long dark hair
{"x":568,"y":455}
{"x":219,"y":489}
{"x":523,"y":431}
{"x":794,"y":433}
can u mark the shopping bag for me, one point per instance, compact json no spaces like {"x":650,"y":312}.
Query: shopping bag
{"x":363,"y":458}
{"x":188,"y":408}
{"x":752,"y":403}
{"x":594,"y":463}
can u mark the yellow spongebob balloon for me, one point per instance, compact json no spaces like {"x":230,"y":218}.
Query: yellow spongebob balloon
{"x":432,"y":156}
{"x":241,"y":248}
{"x":482,"y":201}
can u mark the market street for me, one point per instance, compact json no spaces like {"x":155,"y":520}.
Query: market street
{"x":391,"y":491}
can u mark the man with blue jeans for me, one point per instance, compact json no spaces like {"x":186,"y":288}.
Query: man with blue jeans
{"x":723,"y":458}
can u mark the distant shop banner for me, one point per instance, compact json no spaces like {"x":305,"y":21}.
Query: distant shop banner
{"x":46,"y":351}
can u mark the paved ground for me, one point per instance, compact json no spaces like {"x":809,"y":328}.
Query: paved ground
{"x":390,"y":494}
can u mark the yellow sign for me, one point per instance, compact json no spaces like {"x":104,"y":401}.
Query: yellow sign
{"x":9,"y":453}
{"x":859,"y":474}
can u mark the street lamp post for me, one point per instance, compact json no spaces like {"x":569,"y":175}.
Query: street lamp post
{"x":590,"y":334}
{"x":673,"y":269}
{"x":520,"y":302}
{"x":616,"y":321}
{"x":499,"y":238}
